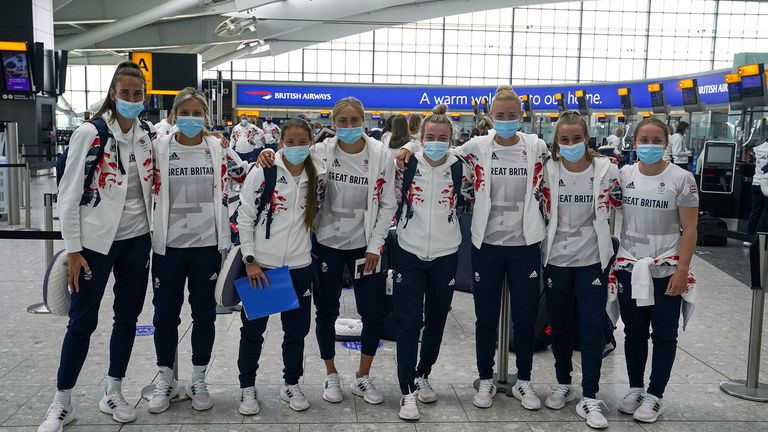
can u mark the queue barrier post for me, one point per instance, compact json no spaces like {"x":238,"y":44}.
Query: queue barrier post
{"x":503,"y":380}
{"x":752,"y":389}
{"x":41,"y":308}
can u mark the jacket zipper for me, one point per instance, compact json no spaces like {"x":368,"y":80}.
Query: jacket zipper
{"x":431,"y":202}
{"x":293,"y":211}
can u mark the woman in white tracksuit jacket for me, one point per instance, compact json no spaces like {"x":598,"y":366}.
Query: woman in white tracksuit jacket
{"x":580,"y":188}
{"x":105,"y":226}
{"x":507,"y":229}
{"x":280,"y":236}
{"x":425,"y":257}
{"x":352,"y":223}
{"x":190,"y":229}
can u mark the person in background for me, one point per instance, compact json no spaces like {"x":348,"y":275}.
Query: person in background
{"x":506,"y":168}
{"x":386,"y":133}
{"x":616,"y":141}
{"x":280,"y":239}
{"x":164,"y":126}
{"x":105,"y":227}
{"x":659,"y":201}
{"x":352,"y":225}
{"x":482,"y":128}
{"x":425,"y":258}
{"x":400,"y":135}
{"x":581,"y":188}
{"x":677,"y":148}
{"x":414,"y":124}
{"x":758,"y":217}
{"x":248,"y":139}
{"x":271,"y":133}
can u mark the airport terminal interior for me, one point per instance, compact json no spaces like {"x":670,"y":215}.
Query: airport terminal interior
{"x":698,"y":67}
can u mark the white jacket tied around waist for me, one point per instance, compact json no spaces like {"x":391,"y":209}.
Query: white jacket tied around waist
{"x":642,"y":282}
{"x":476,"y":153}
{"x":606,"y":193}
{"x":431,"y":229}
{"x":381,"y":205}
{"x":94,"y":225}
{"x":289,"y":243}
{"x":225,"y":167}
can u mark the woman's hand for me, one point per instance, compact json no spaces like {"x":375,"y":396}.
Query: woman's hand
{"x":402,"y":159}
{"x":75,"y":264}
{"x":224,"y":141}
{"x":678,"y":283}
{"x":266,"y":159}
{"x":256,"y":276}
{"x":371,"y":260}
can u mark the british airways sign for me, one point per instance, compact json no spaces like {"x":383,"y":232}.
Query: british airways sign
{"x":603,"y":96}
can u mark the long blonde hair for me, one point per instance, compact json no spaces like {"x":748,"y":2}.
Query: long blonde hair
{"x":349,"y":101}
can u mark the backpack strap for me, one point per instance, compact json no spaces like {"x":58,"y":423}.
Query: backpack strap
{"x":270,"y":179}
{"x":145,"y":127}
{"x":408,"y":174}
{"x":102,"y":131}
{"x":457,"y":173}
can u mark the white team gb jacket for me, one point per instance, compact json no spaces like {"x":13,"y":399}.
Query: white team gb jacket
{"x":606,"y":193}
{"x":289,"y":242}
{"x":94,"y":224}
{"x":429,"y":225}
{"x":476,"y":153}
{"x":381,"y":205}
{"x":223,"y":164}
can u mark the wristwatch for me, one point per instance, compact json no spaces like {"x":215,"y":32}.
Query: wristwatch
{"x":249,"y":259}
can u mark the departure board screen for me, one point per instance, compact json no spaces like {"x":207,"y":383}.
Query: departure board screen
{"x":690,"y":96}
{"x":734,"y":92}
{"x":657,"y":99}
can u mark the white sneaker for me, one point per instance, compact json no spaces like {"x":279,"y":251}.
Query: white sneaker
{"x":484,"y":395}
{"x":747,"y":244}
{"x":425,"y":392}
{"x":332,"y":388}
{"x":198,"y":392}
{"x":523,"y":391}
{"x":57,"y":417}
{"x":166,"y":389}
{"x":116,"y":405}
{"x":249,"y":404}
{"x":294,"y":396}
{"x":590,"y":410}
{"x":409,"y":410}
{"x":650,"y":410}
{"x":364,"y":388}
{"x":561,"y":395}
{"x":631,"y":401}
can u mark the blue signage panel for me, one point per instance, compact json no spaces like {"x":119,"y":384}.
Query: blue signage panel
{"x":601,"y":96}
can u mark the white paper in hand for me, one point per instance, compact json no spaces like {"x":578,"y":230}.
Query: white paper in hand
{"x":360,"y":268}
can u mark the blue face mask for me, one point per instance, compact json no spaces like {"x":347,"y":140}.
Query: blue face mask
{"x":572,"y":153}
{"x":649,"y":154}
{"x":296,"y":154}
{"x":190,"y":126}
{"x":129,"y":110}
{"x":349,"y":135}
{"x":506,"y":129}
{"x":435,"y":150}
{"x":243,"y":122}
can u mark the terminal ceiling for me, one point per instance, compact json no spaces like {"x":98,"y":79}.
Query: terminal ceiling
{"x":103,"y":31}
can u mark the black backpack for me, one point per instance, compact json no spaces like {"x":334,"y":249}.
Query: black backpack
{"x":457,"y":171}
{"x":102,"y":131}
{"x":270,"y":180}
{"x":706,"y":237}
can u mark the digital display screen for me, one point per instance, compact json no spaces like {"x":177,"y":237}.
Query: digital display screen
{"x":626,"y":103}
{"x":527,"y":106}
{"x":16,"y":68}
{"x":324,"y":115}
{"x":621,"y":119}
{"x":657,"y":99}
{"x":734,"y":92}
{"x":690,"y":96}
{"x":582,"y":103}
{"x":751,"y":81}
{"x":720,"y":155}
{"x":376,"y":116}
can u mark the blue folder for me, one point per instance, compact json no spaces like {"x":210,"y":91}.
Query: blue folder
{"x":279,"y":296}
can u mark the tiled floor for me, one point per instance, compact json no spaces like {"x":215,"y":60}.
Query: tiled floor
{"x":713,"y":349}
